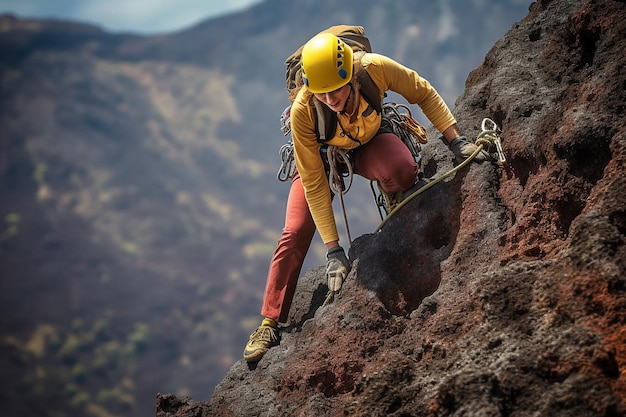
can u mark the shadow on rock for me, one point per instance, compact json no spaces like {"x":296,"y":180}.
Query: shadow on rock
{"x":401,"y":264}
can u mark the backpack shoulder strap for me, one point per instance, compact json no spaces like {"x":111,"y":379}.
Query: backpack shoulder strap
{"x":326,"y":121}
{"x":367,"y":86}
{"x":369,"y":90}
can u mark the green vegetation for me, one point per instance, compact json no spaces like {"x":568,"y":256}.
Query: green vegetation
{"x":120,"y":395}
{"x":11,"y":226}
{"x":39,"y":174}
{"x":92,"y":365}
{"x":81,"y":399}
{"x":136,"y":341}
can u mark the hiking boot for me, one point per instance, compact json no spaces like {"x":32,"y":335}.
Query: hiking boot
{"x":388,"y":201}
{"x":261,"y":340}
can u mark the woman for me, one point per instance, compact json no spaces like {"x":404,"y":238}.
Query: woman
{"x":329,"y":68}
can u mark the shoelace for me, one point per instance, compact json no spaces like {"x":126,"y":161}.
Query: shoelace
{"x":265,"y":334}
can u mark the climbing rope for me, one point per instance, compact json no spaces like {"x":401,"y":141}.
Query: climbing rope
{"x":399,"y":119}
{"x":329,"y":298}
{"x":335,"y":156}
{"x":487,"y":137}
{"x":336,"y":183}
{"x":338,"y":156}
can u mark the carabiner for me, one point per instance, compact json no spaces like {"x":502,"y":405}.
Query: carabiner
{"x":491,"y":129}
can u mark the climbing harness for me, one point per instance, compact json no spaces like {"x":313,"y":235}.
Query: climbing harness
{"x":489,"y":135}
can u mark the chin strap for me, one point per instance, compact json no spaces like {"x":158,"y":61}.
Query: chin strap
{"x":345,"y":106}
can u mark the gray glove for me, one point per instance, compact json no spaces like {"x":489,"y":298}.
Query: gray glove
{"x":337,"y":268}
{"x":463,"y":149}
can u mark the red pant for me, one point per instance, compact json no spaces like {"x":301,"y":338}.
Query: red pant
{"x":384,"y":159}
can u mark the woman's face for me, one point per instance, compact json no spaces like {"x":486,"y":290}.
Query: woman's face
{"x":335,"y":99}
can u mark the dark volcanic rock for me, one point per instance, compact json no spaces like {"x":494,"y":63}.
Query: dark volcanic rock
{"x":499,"y":292}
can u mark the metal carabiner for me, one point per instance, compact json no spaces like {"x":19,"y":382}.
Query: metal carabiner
{"x":285,"y":121}
{"x":491,"y":129}
{"x":493,"y":126}
{"x":287,"y":167}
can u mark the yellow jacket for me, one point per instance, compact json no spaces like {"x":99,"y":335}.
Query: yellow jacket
{"x":387,"y":74}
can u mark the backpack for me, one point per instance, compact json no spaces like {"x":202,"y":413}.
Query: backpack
{"x":354,"y":36}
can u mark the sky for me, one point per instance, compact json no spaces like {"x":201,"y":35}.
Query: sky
{"x":137,"y":16}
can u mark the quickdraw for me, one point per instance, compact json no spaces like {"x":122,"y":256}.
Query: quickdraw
{"x":491,"y":135}
{"x":287,"y":164}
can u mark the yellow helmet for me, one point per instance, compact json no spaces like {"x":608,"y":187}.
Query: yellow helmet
{"x":326,"y":63}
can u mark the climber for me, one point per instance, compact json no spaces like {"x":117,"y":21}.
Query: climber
{"x":328,"y":72}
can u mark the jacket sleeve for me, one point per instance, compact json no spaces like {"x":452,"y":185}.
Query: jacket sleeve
{"x":311,"y":168}
{"x":391,"y":75}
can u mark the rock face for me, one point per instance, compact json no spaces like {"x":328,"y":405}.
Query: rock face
{"x":500,"y":291}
